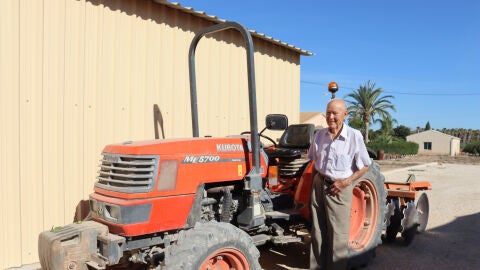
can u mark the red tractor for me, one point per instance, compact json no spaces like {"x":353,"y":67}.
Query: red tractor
{"x":206,"y":203}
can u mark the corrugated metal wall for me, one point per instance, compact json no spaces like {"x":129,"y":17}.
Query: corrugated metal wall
{"x":76,"y":75}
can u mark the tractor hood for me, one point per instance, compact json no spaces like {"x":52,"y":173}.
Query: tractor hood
{"x":173,"y":166}
{"x":208,"y":145}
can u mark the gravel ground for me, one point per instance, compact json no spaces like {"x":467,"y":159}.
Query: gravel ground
{"x":452,"y":237}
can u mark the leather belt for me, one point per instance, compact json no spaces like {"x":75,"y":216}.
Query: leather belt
{"x":327,"y":179}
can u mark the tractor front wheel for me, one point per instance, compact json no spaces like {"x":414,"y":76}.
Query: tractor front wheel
{"x":213,"y":245}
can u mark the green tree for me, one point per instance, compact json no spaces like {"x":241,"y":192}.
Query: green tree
{"x":386,"y":125}
{"x":401,"y":131}
{"x":373,"y":134}
{"x":427,"y":126}
{"x":472,"y":148}
{"x":366,"y":102}
{"x":356,"y":123}
{"x":386,"y":129}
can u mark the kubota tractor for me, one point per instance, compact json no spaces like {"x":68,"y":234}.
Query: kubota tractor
{"x":206,"y":203}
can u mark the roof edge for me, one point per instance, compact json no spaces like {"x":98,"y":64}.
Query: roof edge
{"x":433,"y":130}
{"x":217,"y":20}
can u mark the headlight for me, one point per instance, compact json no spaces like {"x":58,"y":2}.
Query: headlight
{"x":113,"y":211}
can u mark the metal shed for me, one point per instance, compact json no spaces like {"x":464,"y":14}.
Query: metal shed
{"x":78,"y":74}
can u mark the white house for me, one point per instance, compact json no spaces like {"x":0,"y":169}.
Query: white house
{"x":435,"y":142}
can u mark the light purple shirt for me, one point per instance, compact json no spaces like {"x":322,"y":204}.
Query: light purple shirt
{"x":341,"y":157}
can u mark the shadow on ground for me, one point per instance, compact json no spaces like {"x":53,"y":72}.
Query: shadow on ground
{"x":451,"y":246}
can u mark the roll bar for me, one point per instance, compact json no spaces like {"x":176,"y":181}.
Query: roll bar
{"x":255,"y":140}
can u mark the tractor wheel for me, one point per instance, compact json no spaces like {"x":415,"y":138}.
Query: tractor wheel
{"x":367,"y":217}
{"x":423,"y":210}
{"x":212,"y":245}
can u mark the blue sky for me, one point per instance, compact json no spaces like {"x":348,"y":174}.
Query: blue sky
{"x":426,"y":53}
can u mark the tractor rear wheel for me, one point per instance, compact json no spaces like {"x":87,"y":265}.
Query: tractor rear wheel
{"x":212,"y":245}
{"x":367,"y":216}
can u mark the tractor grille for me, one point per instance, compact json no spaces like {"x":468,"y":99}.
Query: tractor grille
{"x":127,"y":173}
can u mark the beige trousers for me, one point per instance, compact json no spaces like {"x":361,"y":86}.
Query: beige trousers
{"x":330,"y":226}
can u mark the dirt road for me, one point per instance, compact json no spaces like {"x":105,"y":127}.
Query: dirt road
{"x":452,"y":238}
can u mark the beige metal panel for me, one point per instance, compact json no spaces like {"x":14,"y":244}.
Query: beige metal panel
{"x":53,"y":115}
{"x":31,"y":171}
{"x":168,"y":61}
{"x":154,"y":78}
{"x":237,"y":87}
{"x":105,"y":115}
{"x":88,"y":73}
{"x":279,"y":82}
{"x":212,"y":91}
{"x":10,"y":219}
{"x":223,"y":88}
{"x":138,"y":33}
{"x":73,"y":106}
{"x":138,"y":96}
{"x":222,"y":85}
{"x":93,"y":51}
{"x":181,"y":94}
{"x":122,"y":67}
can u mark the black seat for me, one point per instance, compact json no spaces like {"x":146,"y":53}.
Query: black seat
{"x":293,"y":143}
{"x":297,"y":136}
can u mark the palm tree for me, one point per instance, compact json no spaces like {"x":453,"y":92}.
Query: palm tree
{"x":386,"y":125}
{"x":356,"y":123}
{"x":386,"y":129}
{"x":366,"y":102}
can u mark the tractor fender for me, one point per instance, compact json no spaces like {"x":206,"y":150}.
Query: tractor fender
{"x":195,"y":213}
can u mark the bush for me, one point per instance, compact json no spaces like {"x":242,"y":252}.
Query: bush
{"x":472,"y":148}
{"x":399,"y":147}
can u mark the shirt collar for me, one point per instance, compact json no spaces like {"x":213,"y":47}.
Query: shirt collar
{"x":343,"y":133}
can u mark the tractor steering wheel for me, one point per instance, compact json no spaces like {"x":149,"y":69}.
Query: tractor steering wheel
{"x":262,"y":136}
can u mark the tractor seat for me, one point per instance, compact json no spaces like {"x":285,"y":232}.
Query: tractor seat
{"x":294,"y":142}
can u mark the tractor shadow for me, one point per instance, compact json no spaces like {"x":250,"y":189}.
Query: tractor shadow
{"x":287,"y":256}
{"x":450,"y":246}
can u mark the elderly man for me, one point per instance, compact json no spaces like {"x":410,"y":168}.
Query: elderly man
{"x":340,"y":157}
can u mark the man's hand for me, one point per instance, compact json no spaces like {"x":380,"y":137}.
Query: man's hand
{"x":339,"y":185}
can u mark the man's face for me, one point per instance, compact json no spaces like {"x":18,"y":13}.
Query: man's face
{"x":335,"y":115}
